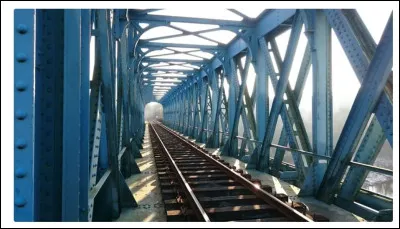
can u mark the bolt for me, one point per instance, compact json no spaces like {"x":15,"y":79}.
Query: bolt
{"x":21,"y":115}
{"x":22,"y":28}
{"x":20,"y":202}
{"x":21,"y":86}
{"x":20,"y":172}
{"x":21,"y":57}
{"x":21,"y":143}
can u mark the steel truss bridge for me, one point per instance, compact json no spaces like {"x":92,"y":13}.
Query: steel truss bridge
{"x":78,"y":130}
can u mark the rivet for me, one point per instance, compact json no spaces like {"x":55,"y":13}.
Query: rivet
{"x":21,"y":57}
{"x":22,"y":29}
{"x":20,"y":115}
{"x":21,"y":86}
{"x":21,"y":143}
{"x":20,"y":202}
{"x":20,"y":172}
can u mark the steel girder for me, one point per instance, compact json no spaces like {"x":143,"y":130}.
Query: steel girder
{"x":83,"y":128}
{"x":199,"y":107}
{"x":319,"y":36}
{"x":24,"y":89}
{"x":311,"y":161}
{"x":368,"y":99}
{"x":263,"y":154}
{"x":360,"y":48}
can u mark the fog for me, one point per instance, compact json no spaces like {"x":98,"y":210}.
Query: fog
{"x":153,"y":111}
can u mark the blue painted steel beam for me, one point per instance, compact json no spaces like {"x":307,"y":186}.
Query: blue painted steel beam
{"x":261,"y":87}
{"x":360,"y":64}
{"x":213,"y":140}
{"x":288,"y":135}
{"x":157,"y":60}
{"x":250,"y":118}
{"x":147,"y":44}
{"x":233,"y":84}
{"x":271,"y":20}
{"x":168,"y":19}
{"x":85,"y":113}
{"x":367,"y":99}
{"x":366,"y":41}
{"x":24,"y":153}
{"x":231,"y":145}
{"x":373,"y":200}
{"x":296,"y":95}
{"x":366,"y":153}
{"x":49,"y":62}
{"x":155,"y":70}
{"x":118,"y":196}
{"x":356,"y":208}
{"x":263,"y":161}
{"x":72,"y":118}
{"x":319,"y":35}
{"x":123,"y":56}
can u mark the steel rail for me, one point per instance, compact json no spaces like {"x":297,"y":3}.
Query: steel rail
{"x":193,"y":201}
{"x":259,"y":192}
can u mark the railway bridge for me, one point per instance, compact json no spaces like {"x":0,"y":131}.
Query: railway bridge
{"x":231,"y":115}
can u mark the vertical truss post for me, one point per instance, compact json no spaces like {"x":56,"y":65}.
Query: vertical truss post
{"x":85,"y":113}
{"x":195,"y":110}
{"x":121,"y":195}
{"x":181,"y":110}
{"x":366,"y":101}
{"x":263,"y":155}
{"x":72,"y":118}
{"x":187,"y":109}
{"x":123,"y":77}
{"x":213,"y":140}
{"x":232,"y":80}
{"x":319,"y":35}
{"x":48,"y":117}
{"x":24,"y":152}
{"x":204,"y":120}
{"x":198,"y":109}
{"x":232,"y":147}
{"x":262,"y":102}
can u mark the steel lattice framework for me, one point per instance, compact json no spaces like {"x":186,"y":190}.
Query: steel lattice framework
{"x":79,"y":140}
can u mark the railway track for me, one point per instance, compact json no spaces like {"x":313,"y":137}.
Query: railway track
{"x":197,"y":186}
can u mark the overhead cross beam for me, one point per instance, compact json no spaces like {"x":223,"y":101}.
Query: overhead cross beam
{"x":154,"y":44}
{"x":133,"y":16}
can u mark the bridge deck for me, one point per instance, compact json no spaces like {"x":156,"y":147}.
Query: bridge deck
{"x":146,"y":189}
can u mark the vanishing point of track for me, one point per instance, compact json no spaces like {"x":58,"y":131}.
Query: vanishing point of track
{"x":198,"y":186}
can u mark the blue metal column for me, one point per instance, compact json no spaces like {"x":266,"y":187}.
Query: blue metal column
{"x":367,"y":99}
{"x":319,"y":35}
{"x":233,"y":88}
{"x":262,"y":101}
{"x":213,"y":141}
{"x":71,"y":190}
{"x":124,"y":77}
{"x":121,"y":195}
{"x":24,"y":152}
{"x":204,"y":120}
{"x":85,"y":113}
{"x":48,"y":125}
